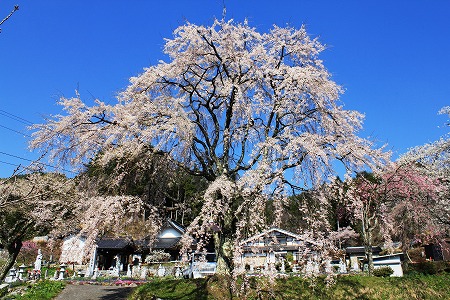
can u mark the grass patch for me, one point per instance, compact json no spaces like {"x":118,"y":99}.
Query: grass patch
{"x":43,"y":290}
{"x":172,"y":289}
{"x":346,"y":287}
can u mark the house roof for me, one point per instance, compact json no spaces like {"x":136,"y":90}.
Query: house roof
{"x":361,"y":249}
{"x":388,"y":256}
{"x":276,"y":231}
{"x":274,"y":247}
{"x":175,"y":225}
{"x":109,"y":243}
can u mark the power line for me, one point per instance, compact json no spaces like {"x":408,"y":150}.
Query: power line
{"x":8,"y":163}
{"x":16,"y":131}
{"x":24,"y":121}
{"x":14,"y":117}
{"x":33,"y":161}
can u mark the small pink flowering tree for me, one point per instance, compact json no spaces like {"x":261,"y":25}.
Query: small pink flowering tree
{"x":414,"y":195}
{"x":391,"y":203}
{"x":434,"y":160}
{"x":254,"y":114}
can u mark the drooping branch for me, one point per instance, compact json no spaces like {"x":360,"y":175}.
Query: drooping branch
{"x":16,"y":8}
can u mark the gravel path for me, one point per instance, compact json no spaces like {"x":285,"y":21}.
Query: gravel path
{"x":94,"y":292}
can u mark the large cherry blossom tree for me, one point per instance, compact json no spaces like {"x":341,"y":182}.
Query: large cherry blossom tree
{"x":255,"y":114}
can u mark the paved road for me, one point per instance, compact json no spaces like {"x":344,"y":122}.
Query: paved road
{"x":94,"y":292}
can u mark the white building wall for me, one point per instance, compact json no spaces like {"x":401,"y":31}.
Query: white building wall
{"x":392,"y":261}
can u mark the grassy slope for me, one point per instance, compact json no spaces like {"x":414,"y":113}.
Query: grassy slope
{"x":43,"y":290}
{"x":347,"y":287}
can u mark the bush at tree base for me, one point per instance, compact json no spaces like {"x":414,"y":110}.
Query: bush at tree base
{"x":383,"y":272}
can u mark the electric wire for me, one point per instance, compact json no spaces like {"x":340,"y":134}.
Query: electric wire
{"x":16,"y":131}
{"x":24,"y":121}
{"x":8,"y":163}
{"x":34,"y":161}
{"x":14,"y":117}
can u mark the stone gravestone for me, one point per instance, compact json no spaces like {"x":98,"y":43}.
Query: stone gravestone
{"x":129,"y":272}
{"x":161,"y":271}
{"x":144,"y":270}
{"x":136,"y":271}
{"x":95,"y":274}
{"x":116,"y":267}
{"x":178,"y":272}
{"x":342,"y":267}
{"x":283,"y":267}
{"x":56,"y":275}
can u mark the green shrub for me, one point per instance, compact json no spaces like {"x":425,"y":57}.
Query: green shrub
{"x":43,"y":290}
{"x":425,"y":267}
{"x":383,"y":272}
{"x":290,"y":257}
{"x":429,"y":267}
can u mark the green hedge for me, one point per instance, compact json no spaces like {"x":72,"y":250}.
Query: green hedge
{"x":383,"y":272}
{"x":429,"y":267}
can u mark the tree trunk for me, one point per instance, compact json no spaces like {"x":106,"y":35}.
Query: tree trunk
{"x":369,"y":256}
{"x":368,"y":250}
{"x":13,"y":250}
{"x":223,"y":248}
{"x":223,"y":243}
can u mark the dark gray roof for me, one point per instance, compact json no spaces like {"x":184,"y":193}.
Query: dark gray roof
{"x":113,"y":243}
{"x":274,"y":247}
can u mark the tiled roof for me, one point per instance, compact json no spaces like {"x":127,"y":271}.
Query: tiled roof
{"x":274,"y":247}
{"x":113,"y":243}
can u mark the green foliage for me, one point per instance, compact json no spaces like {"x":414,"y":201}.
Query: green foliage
{"x":290,"y":257}
{"x":172,"y":289}
{"x":383,"y":272}
{"x":44,"y":290}
{"x":346,"y":287}
{"x":429,"y":267}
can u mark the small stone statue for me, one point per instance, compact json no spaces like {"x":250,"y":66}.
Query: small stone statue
{"x":38,"y":262}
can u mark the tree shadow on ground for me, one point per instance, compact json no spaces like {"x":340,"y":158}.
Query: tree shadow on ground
{"x":175,"y":290}
{"x":352,"y":289}
{"x":117,"y":294}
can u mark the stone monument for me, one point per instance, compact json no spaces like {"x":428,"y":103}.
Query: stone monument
{"x":38,"y":262}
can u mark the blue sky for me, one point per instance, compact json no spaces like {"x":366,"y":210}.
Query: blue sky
{"x":392,"y":57}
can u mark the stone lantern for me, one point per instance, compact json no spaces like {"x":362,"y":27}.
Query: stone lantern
{"x":21,"y":271}
{"x":62,"y":271}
